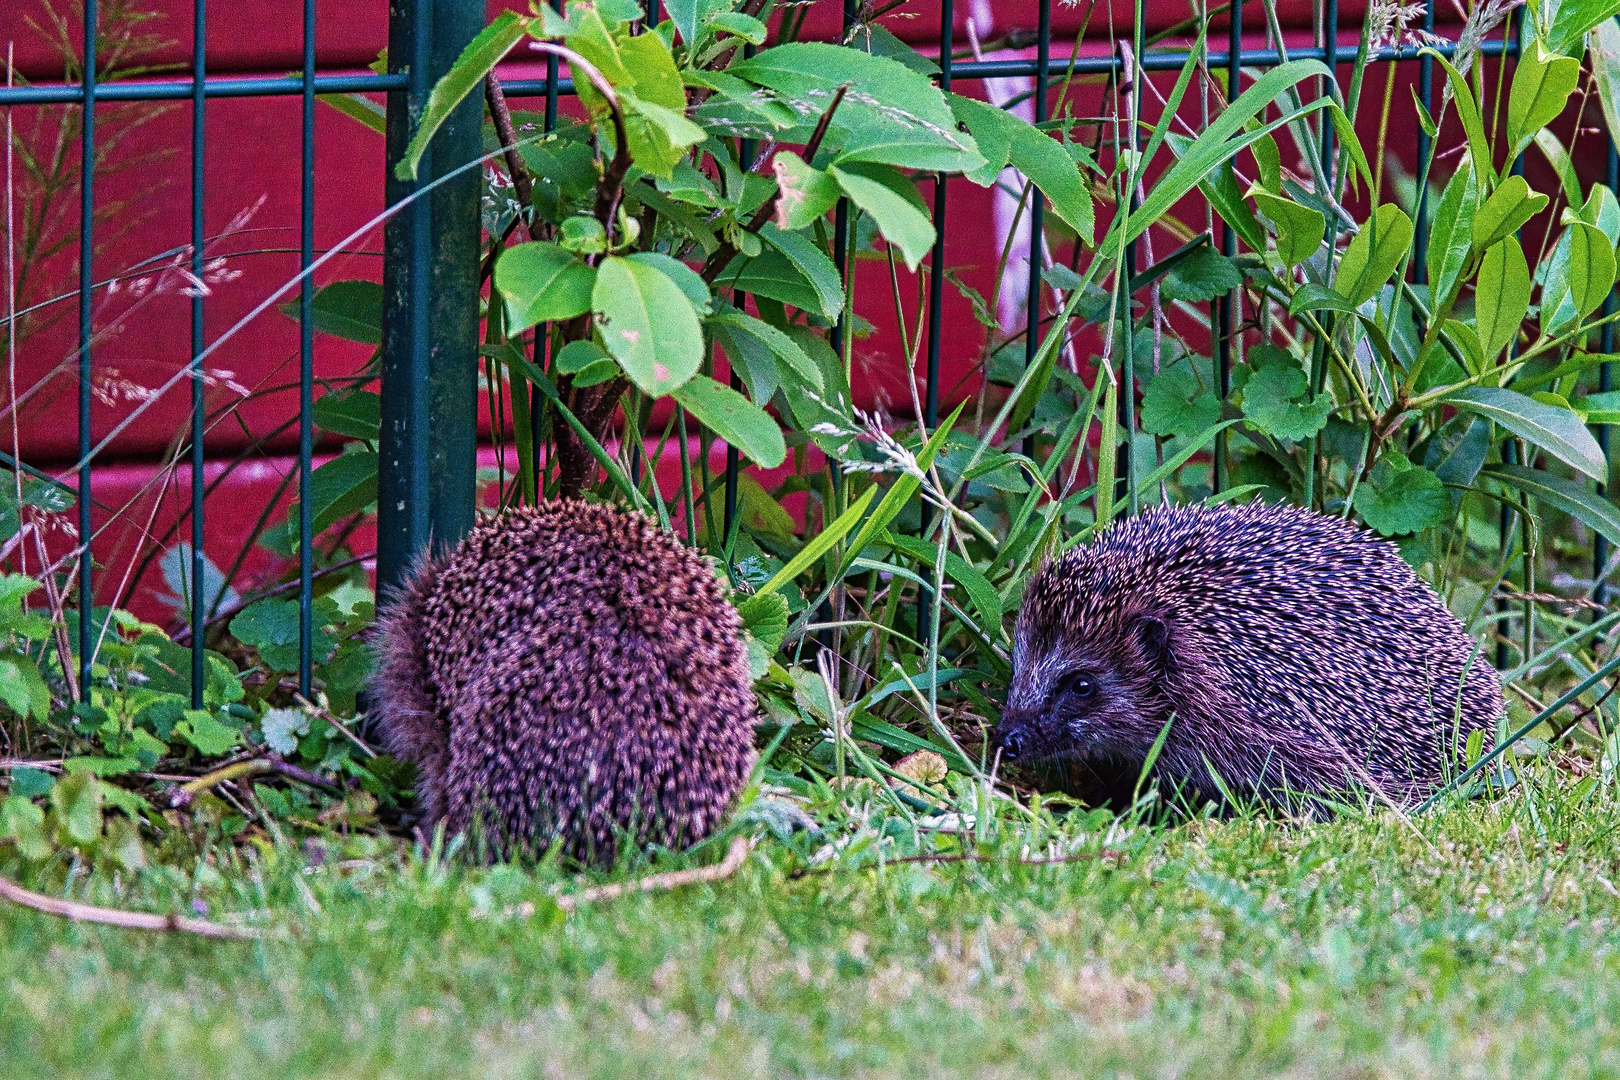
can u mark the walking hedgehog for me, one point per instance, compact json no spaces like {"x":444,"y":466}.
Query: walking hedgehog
{"x":1295,"y":657}
{"x":570,"y":674}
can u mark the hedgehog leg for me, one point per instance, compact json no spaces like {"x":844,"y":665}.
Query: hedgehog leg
{"x":405,"y":707}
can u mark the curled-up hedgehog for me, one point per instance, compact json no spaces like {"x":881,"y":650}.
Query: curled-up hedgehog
{"x":1299,"y":656}
{"x":568,"y":674}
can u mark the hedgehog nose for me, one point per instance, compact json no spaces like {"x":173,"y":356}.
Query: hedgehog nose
{"x":1012,"y":743}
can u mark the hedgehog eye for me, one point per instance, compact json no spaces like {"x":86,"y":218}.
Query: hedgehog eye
{"x":1079,"y":684}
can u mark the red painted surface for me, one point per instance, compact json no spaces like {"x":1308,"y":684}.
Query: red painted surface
{"x":251,"y":202}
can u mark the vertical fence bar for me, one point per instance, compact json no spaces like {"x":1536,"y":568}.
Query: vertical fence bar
{"x":306,"y":363}
{"x":936,"y":294}
{"x":199,"y":609}
{"x":87,"y":252}
{"x":1037,"y":205}
{"x":429,"y":441}
{"x":1127,"y":388}
{"x":1226,"y":306}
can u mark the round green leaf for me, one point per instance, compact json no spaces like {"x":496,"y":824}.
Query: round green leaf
{"x":541,"y":282}
{"x":648,"y":324}
{"x":1400,"y":497}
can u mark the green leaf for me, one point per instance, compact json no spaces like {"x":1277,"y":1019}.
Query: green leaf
{"x":1005,"y":139}
{"x":734,"y":418}
{"x":355,"y":413}
{"x":1591,"y":267}
{"x":1277,"y":397}
{"x":648,"y":324}
{"x":737,"y":24}
{"x":983,"y":596}
{"x":22,"y":688}
{"x":1577,"y":500}
{"x":1376,"y":250}
{"x":1574,"y":19}
{"x":1479,"y":150}
{"x":208,"y":735}
{"x":782,"y":347}
{"x":345,"y":485}
{"x":792,"y":269}
{"x":76,"y":802}
{"x":1604,"y":49}
{"x":1501,"y":297}
{"x":1202,"y":276}
{"x":1542,"y":83}
{"x":765,"y":617}
{"x":1509,"y":207}
{"x":897,"y":117}
{"x":807,"y":193}
{"x":1299,"y":228}
{"x":30,"y":783}
{"x":823,"y":543}
{"x":542,"y":282}
{"x":22,"y":823}
{"x":1399,"y":497}
{"x":477,"y":60}
{"x":281,"y":728}
{"x":578,"y":356}
{"x":1558,"y":157}
{"x":875,"y":189}
{"x":1451,"y":238}
{"x":901,"y":491}
{"x":688,"y":280}
{"x":271,"y":627}
{"x":1174,"y":404}
{"x":351,"y":310}
{"x":691,"y":17}
{"x":1560,"y":432}
{"x":1602,"y":408}
{"x":877,"y":39}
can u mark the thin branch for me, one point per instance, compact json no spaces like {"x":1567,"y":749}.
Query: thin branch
{"x":610,"y":189}
{"x":522,"y":184}
{"x":128,"y":920}
{"x":736,"y":855}
{"x":1079,"y":856}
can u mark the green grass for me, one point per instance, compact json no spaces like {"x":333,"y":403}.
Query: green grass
{"x":1481,"y":940}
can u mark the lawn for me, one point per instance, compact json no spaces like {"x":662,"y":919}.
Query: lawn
{"x":1478,"y":940}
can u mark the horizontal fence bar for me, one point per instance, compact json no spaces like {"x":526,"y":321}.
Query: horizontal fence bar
{"x":177,"y":89}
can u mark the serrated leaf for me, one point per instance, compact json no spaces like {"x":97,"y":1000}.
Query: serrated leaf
{"x":648,"y":324}
{"x":1400,"y":498}
{"x":1373,"y":254}
{"x":210,"y":737}
{"x":22,"y":689}
{"x":272,"y":627}
{"x":1200,"y":277}
{"x":1277,"y":400}
{"x":766,"y":618}
{"x":542,"y":282}
{"x":1558,"y":431}
{"x":281,"y":728}
{"x":734,"y":418}
{"x":1174,"y":404}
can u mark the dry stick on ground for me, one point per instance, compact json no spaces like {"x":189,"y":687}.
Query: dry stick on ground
{"x":736,"y":855}
{"x":129,"y":920}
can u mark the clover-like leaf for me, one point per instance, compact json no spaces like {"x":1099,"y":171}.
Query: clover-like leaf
{"x":1400,"y":498}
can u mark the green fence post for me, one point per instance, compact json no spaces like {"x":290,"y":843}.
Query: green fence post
{"x":429,"y":442}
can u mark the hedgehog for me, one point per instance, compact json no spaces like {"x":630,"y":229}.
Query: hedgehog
{"x":568,"y":674}
{"x":1296,"y":659}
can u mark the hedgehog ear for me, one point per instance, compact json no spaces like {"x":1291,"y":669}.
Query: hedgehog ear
{"x":1153,"y":635}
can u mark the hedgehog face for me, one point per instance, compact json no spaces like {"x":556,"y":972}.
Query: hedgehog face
{"x":1089,"y":691}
